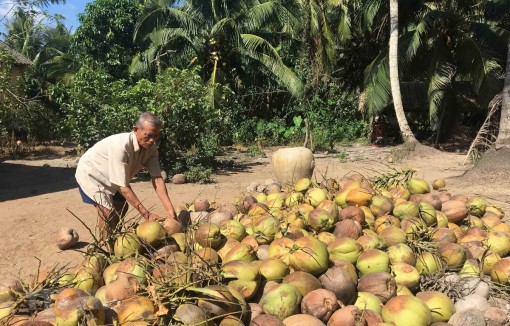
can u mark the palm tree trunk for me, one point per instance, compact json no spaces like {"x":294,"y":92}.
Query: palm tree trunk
{"x":503,"y":140}
{"x":405,"y":130}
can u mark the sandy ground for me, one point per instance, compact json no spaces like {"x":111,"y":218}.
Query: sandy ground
{"x":40,"y":195}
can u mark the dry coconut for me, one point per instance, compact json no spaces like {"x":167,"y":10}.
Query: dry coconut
{"x":472,"y":317}
{"x":66,"y":238}
{"x":495,"y":316}
{"x":472,"y":301}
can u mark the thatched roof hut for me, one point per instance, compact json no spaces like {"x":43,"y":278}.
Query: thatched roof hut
{"x":19,"y":58}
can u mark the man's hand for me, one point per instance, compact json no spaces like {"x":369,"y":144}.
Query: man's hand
{"x":160,"y":187}
{"x":154,"y":217}
{"x":171,"y":214}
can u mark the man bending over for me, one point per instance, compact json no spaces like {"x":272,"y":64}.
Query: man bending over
{"x":105,"y":170}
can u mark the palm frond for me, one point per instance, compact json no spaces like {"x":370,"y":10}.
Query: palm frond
{"x":439,"y":81}
{"x":422,"y":32}
{"x":228,"y":29}
{"x":377,"y":85}
{"x":260,"y":50}
{"x":141,"y":64}
{"x":262,"y":14}
{"x":370,"y":11}
{"x":487,"y":135}
{"x":475,"y":61}
{"x":160,"y":18}
{"x":344,"y":25}
{"x":491,"y":37}
{"x":313,"y":18}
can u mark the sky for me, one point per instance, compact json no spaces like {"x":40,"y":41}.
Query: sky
{"x":70,"y":11}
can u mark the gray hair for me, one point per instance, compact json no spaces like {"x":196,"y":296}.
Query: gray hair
{"x":147,"y":117}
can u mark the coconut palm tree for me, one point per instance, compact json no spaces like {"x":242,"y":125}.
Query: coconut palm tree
{"x":55,"y":62}
{"x":499,"y":12}
{"x":24,"y":33}
{"x":405,"y":130}
{"x":503,"y":139}
{"x":446,"y":44}
{"x":229,"y":40}
{"x":320,"y":20}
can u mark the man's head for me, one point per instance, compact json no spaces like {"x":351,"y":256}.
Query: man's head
{"x":147,"y":128}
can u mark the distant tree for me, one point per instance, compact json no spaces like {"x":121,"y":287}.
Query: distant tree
{"x":319,"y":35}
{"x":405,"y":130}
{"x":503,"y":139}
{"x":499,"y":10}
{"x":55,"y":62}
{"x":24,"y":32}
{"x":232,"y":40}
{"x":105,"y":35}
{"x":442,"y":44}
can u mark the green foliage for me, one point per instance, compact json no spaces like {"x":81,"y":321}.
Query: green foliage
{"x":198,"y":174}
{"x":191,"y":123}
{"x":332,"y":114}
{"x":25,"y":117}
{"x":333,"y":117}
{"x":24,"y":32}
{"x":8,"y":89}
{"x":231,"y":41}
{"x":96,"y":106}
{"x":105,"y":35}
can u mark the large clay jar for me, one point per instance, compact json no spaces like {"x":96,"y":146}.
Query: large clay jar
{"x":292,"y":164}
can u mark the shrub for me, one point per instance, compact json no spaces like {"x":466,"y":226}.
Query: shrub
{"x":198,"y":174}
{"x":331,"y":112}
{"x":96,"y":106}
{"x":333,"y":117}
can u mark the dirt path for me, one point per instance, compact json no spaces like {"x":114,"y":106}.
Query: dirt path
{"x":37,"y":197}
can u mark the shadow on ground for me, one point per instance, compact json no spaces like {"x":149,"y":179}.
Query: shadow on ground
{"x":227,"y":168}
{"x":21,"y":181}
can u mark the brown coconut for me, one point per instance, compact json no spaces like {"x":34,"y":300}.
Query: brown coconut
{"x":201,"y":205}
{"x":338,"y":280}
{"x":347,"y":316}
{"x":123,"y":287}
{"x":136,"y":308}
{"x":433,"y":199}
{"x":47,"y":315}
{"x":381,"y":284}
{"x":266,"y":320}
{"x":190,"y":314}
{"x":302,"y":320}
{"x":66,"y":238}
{"x":18,"y":320}
{"x":172,"y":226}
{"x":495,"y":316}
{"x":444,"y":235}
{"x":179,"y":179}
{"x":219,"y":215}
{"x":372,"y":318}
{"x":256,"y":310}
{"x":352,"y":213}
{"x":459,"y":197}
{"x":348,"y":228}
{"x":246,"y":203}
{"x":320,"y":303}
{"x":303,"y":281}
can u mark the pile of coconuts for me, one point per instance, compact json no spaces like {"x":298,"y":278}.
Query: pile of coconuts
{"x":343,"y":252}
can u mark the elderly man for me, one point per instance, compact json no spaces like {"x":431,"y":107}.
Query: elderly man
{"x":105,"y":170}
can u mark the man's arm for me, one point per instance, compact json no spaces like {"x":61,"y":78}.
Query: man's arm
{"x":131,"y":198}
{"x":159,"y":186}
